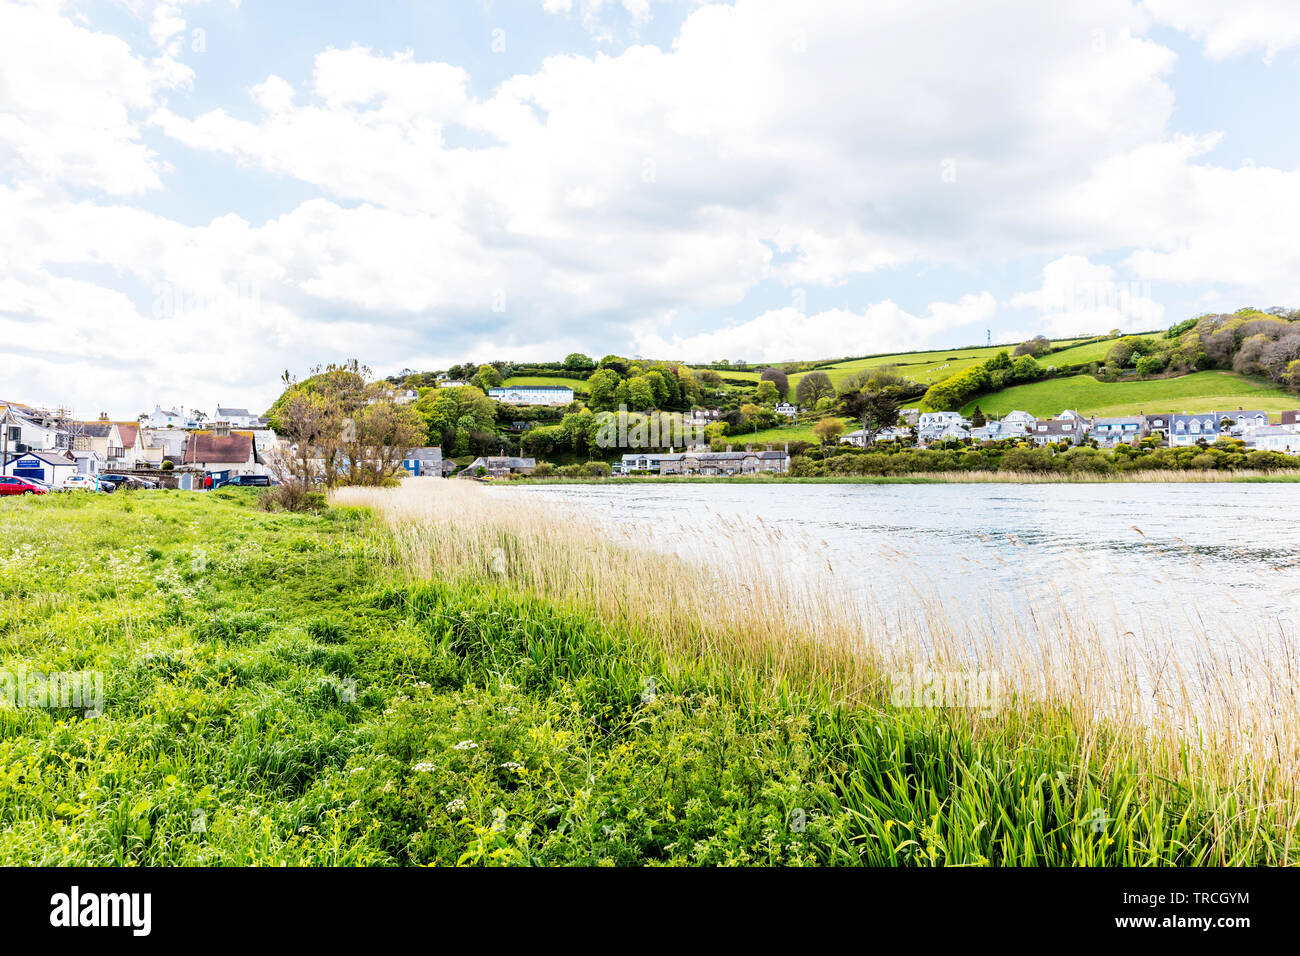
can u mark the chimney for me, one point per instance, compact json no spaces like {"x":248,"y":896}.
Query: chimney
{"x":728,"y":448}
{"x":103,"y":416}
{"x":769,"y":446}
{"x":221,"y":429}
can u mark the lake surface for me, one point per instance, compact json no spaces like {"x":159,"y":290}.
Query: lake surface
{"x":1140,"y":558}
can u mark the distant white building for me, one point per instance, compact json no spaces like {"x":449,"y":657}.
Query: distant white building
{"x":533,"y":395}
{"x":786,"y":409}
{"x":929,"y":420}
{"x":165,"y":418}
{"x":237,"y":417}
{"x":1273,"y":438}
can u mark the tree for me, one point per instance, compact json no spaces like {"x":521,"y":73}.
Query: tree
{"x":487,"y":377}
{"x":977,"y":417}
{"x":640,"y":393}
{"x":767,"y":392}
{"x":1038,"y":345}
{"x":444,"y":408}
{"x":828,"y":430}
{"x":777,"y":378}
{"x":577,"y":362}
{"x":813,"y":387}
{"x":602,"y":390}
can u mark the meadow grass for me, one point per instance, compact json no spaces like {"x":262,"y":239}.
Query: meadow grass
{"x":432,"y":674}
{"x":1197,"y":392}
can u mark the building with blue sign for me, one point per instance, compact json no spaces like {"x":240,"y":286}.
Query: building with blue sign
{"x":48,"y":467}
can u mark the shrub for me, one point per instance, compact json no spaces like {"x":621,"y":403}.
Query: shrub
{"x":293,"y":495}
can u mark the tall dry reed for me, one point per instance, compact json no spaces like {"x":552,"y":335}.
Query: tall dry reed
{"x":1221,"y":713}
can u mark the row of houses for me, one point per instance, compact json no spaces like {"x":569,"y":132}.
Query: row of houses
{"x":43,"y":443}
{"x":727,"y":463}
{"x":1070,"y":427}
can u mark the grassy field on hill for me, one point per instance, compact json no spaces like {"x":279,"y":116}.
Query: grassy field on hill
{"x":577,"y":384}
{"x":1198,"y":392}
{"x":781,"y":434}
{"x":930,"y":366}
{"x":448,"y":688}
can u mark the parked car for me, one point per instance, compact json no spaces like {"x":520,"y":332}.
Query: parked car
{"x":21,"y":486}
{"x":248,"y":481}
{"x":128,"y":481}
{"x":80,"y":483}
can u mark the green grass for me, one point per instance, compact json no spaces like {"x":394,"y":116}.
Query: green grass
{"x":931,"y":366}
{"x":274,"y":697}
{"x":780,"y":434}
{"x":1198,"y":392}
{"x":577,"y":384}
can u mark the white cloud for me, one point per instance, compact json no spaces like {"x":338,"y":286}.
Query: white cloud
{"x":570,"y":207}
{"x":1078,"y":297}
{"x":785,"y":334}
{"x":1231,"y":28}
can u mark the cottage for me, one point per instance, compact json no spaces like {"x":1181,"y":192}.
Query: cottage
{"x":1125,"y":430}
{"x":941,"y":431}
{"x":1273,"y":438}
{"x":1047,"y":431}
{"x":1023,"y":419}
{"x":1291,"y":418}
{"x":50,"y":468}
{"x":1235,"y":423}
{"x":498,"y":466}
{"x":941,"y":419}
{"x":237,"y":417}
{"x":533,"y":395}
{"x":164,"y":418}
{"x":786,"y":410}
{"x":424,"y":462}
{"x":710,"y":463}
{"x":1157,"y":425}
{"x":221,"y":450}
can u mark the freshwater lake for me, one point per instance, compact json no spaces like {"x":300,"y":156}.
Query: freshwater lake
{"x":1140,"y":558}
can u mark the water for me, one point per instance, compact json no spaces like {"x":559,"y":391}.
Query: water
{"x":1140,"y":558}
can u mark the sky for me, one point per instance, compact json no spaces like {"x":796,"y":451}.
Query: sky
{"x":199,"y":195}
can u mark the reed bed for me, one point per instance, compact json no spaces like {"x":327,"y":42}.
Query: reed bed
{"x":1213,"y":713}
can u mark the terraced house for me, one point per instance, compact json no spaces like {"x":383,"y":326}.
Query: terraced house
{"x":727,"y":463}
{"x":1124,"y":430}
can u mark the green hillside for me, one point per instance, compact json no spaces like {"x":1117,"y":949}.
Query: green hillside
{"x":931,"y":366}
{"x":1198,"y":392}
{"x":577,"y":384}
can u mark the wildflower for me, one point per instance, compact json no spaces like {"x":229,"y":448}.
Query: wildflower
{"x":456,"y":806}
{"x":512,"y":765}
{"x":424,"y":766}
{"x":466,"y":745}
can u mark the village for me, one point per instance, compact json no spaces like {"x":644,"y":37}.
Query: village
{"x":50,"y":449}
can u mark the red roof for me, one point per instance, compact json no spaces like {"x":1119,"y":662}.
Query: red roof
{"x":129,"y":433}
{"x":204,"y":447}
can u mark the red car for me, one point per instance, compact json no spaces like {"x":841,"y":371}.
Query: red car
{"x":20,"y":486}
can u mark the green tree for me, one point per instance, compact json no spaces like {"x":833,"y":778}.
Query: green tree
{"x":813,"y":387}
{"x":767,"y":392}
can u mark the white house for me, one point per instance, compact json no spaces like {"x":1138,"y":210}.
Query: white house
{"x":1273,"y":438}
{"x":47,"y":467}
{"x":931,"y":420}
{"x":237,"y":417}
{"x":88,"y":461}
{"x":1019,"y":418}
{"x":25,"y":434}
{"x":533,"y":395}
{"x":786,"y":410}
{"x":404,"y":396}
{"x":165,"y":418}
{"x":424,"y":461}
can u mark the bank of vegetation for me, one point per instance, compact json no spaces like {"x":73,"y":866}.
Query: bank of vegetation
{"x":457,"y":678}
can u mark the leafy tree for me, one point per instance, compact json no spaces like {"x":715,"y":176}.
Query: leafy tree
{"x":444,"y":408}
{"x":768,"y":392}
{"x":577,"y":362}
{"x":977,"y":417}
{"x":602,"y":389}
{"x":813,"y":387}
{"x":778,"y":378}
{"x":828,"y":430}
